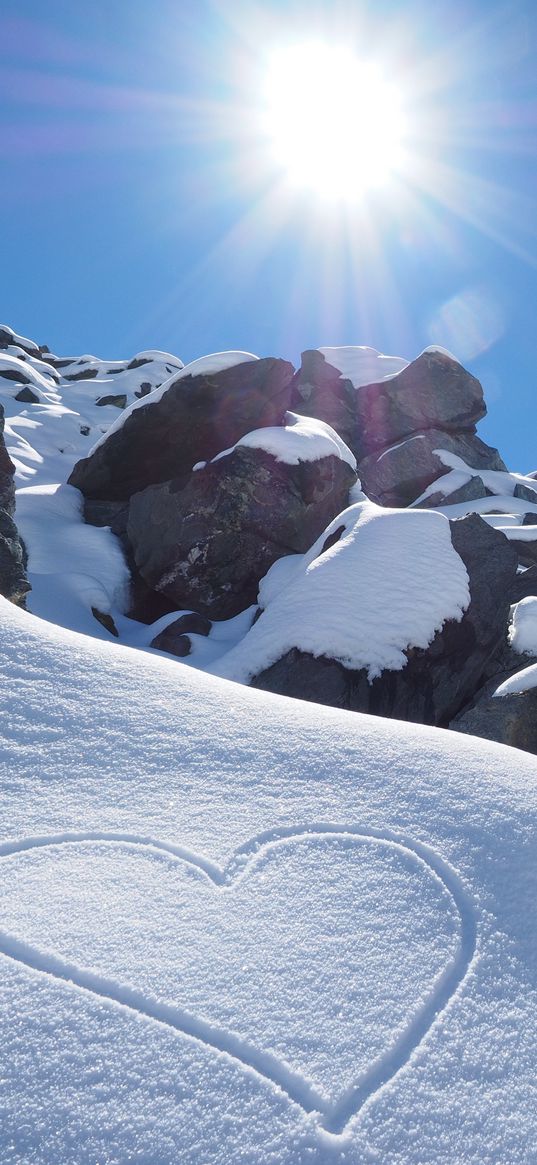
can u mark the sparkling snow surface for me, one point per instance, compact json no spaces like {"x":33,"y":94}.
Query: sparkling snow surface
{"x":234,"y":927}
{"x":389,"y":583}
{"x":240,"y":928}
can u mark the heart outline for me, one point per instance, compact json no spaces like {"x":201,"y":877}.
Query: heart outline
{"x":335,"y":1116}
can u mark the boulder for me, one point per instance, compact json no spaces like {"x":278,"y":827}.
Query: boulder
{"x":400,"y":474}
{"x":319,"y":390}
{"x":7,"y":472}
{"x":437,"y":680}
{"x":433,"y":392}
{"x":192,"y":420}
{"x":206,"y":543}
{"x":175,"y":638}
{"x":524,"y":585}
{"x":510,"y":719}
{"x":470,"y":492}
{"x":14,"y":584}
{"x":525,"y":492}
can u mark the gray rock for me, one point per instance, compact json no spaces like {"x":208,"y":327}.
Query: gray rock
{"x":118,"y":400}
{"x":401,"y":473}
{"x":27,"y":396}
{"x":527,"y":548}
{"x":508,"y":719}
{"x":207,"y":543}
{"x":526,"y":493}
{"x":433,"y":392}
{"x":470,"y":492}
{"x":175,"y":638}
{"x":14,"y":584}
{"x":524,"y":585}
{"x":195,"y":418}
{"x":7,"y":471}
{"x":438,"y":680}
{"x":319,"y":390}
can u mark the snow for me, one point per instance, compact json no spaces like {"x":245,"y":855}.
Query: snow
{"x":523,"y":628}
{"x":72,"y":567}
{"x":371,"y":612}
{"x":300,"y":439}
{"x":235,"y":927}
{"x":363,"y":365}
{"x":277,"y":932}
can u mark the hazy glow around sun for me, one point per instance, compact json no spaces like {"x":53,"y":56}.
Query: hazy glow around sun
{"x":335,"y":125}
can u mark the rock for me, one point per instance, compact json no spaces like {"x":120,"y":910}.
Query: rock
{"x":27,"y":396}
{"x":401,"y":473}
{"x":174,"y":638}
{"x":524,"y":585}
{"x":436,"y":681}
{"x":7,"y":471}
{"x":119,"y":400}
{"x":470,"y":492}
{"x":525,"y":493}
{"x":433,"y":392}
{"x":9,"y":338}
{"x":319,"y":390}
{"x":207,"y":543}
{"x":509,"y":719}
{"x":83,"y":374}
{"x":193,"y":420}
{"x":526,"y":548}
{"x":106,"y":621}
{"x":14,"y":584}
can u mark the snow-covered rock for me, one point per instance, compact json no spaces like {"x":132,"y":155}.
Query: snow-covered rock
{"x":208,"y":542}
{"x":204,"y":408}
{"x":412,"y":611}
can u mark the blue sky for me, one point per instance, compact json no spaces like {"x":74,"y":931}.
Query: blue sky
{"x":141,"y":206}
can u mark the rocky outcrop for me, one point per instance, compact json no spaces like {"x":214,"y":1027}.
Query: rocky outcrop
{"x":437,"y":680}
{"x":14,"y":584}
{"x":401,"y":473}
{"x":194,"y":419}
{"x":433,"y":392}
{"x":434,"y":399}
{"x":207,"y":543}
{"x":510,"y":718}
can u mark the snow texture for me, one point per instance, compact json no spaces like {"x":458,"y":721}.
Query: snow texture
{"x":300,"y":439}
{"x":397,"y":579}
{"x":523,"y":629}
{"x":235,"y":927}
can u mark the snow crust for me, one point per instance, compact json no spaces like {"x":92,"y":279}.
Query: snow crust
{"x":389,"y":583}
{"x":221,"y":908}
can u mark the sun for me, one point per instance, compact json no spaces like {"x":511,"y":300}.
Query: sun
{"x":335,"y":125}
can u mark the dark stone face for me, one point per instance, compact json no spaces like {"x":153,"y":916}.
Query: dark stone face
{"x":196,"y":418}
{"x":14,"y":584}
{"x":433,"y":392}
{"x":208,"y":542}
{"x":400,"y":474}
{"x":437,"y":680}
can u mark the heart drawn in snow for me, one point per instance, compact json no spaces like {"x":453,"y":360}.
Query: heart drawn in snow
{"x":319,"y":957}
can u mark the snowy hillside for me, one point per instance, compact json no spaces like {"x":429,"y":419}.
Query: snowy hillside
{"x":236,"y":926}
